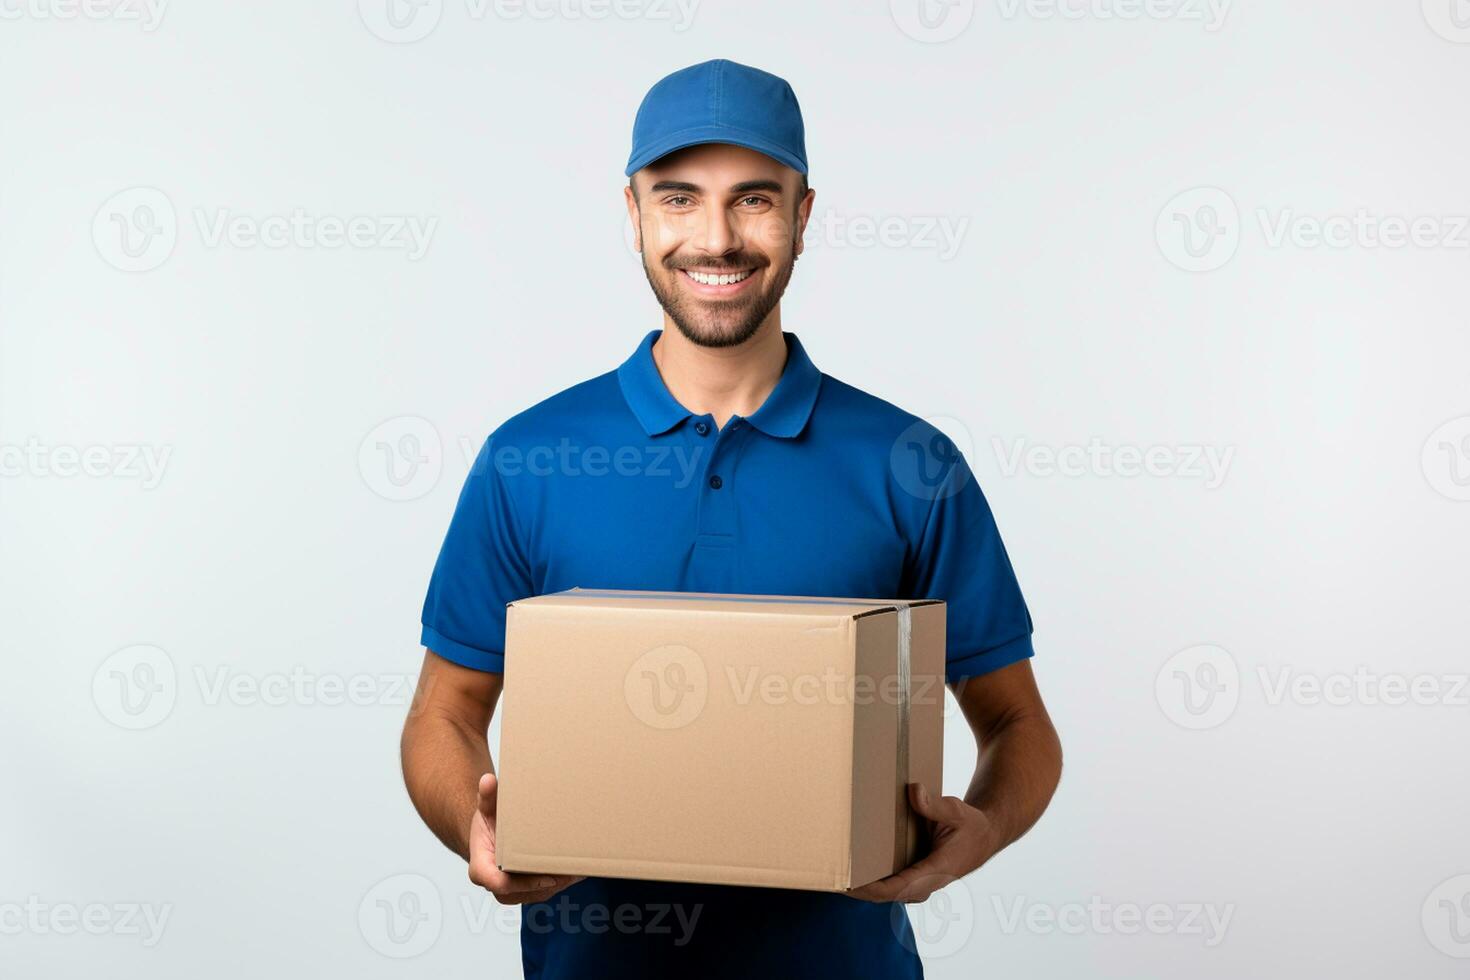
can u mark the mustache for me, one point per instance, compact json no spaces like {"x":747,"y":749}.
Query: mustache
{"x":739,"y":262}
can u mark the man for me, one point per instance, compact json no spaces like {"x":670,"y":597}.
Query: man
{"x":718,"y":458}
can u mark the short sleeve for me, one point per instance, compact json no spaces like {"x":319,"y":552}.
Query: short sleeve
{"x":482,"y":565}
{"x":960,"y":558}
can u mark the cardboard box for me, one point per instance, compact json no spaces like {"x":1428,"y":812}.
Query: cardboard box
{"x":728,"y":739}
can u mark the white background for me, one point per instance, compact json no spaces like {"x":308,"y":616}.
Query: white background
{"x":267,"y":547}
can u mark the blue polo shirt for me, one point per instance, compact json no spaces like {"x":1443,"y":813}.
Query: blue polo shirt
{"x":824,"y":490}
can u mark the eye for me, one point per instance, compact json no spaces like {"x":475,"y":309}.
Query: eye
{"x":679,"y":200}
{"x":759,"y":201}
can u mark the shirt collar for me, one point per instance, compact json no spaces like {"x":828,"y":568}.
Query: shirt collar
{"x":784,"y":413}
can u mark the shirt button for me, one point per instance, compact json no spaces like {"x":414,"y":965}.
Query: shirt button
{"x":702,"y":428}
{"x":715,"y":482}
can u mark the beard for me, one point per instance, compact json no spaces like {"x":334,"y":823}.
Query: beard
{"x":724,"y":324}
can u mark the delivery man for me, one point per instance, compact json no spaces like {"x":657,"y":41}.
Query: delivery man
{"x":718,"y":458}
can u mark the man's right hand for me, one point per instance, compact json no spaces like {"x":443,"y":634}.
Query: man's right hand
{"x":508,"y":888}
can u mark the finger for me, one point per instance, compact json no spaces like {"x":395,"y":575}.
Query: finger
{"x":922,"y":880}
{"x":530,"y":898}
{"x":927,"y":806}
{"x":884,"y":889}
{"x":487,"y":790}
{"x":544,"y":886}
{"x":516,"y":882}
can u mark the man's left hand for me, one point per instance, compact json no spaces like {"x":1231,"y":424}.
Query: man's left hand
{"x":962,"y":839}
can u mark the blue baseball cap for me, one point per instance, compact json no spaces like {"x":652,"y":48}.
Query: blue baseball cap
{"x":719,"y":101}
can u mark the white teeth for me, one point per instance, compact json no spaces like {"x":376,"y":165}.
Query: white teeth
{"x":708,"y":280}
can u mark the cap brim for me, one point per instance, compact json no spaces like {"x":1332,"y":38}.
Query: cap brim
{"x":712,"y":134}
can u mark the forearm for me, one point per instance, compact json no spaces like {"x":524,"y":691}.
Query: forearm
{"x":443,"y":760}
{"x":1018,"y":767}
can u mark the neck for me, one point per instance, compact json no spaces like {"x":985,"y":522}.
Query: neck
{"x":722,"y":381}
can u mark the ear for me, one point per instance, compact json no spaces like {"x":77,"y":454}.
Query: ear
{"x":632,"y":203}
{"x":803,"y":215}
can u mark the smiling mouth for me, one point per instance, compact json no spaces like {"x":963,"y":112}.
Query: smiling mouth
{"x":718,"y":278}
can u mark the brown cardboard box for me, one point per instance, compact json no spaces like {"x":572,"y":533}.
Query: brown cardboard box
{"x":729,"y":739}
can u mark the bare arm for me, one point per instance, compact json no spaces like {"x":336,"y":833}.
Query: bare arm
{"x":450,"y":777}
{"x":445,"y":746}
{"x":1019,"y":755}
{"x":1018,"y":766}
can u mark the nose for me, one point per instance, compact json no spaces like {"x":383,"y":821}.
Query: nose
{"x":718,"y":235}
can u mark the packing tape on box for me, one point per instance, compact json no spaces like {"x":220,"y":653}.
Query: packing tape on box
{"x":901,"y":819}
{"x":905,"y":620}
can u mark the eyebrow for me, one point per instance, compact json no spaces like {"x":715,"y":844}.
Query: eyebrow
{"x":744,"y":187}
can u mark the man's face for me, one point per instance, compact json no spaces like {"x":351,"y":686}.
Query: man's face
{"x":719,"y":228}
